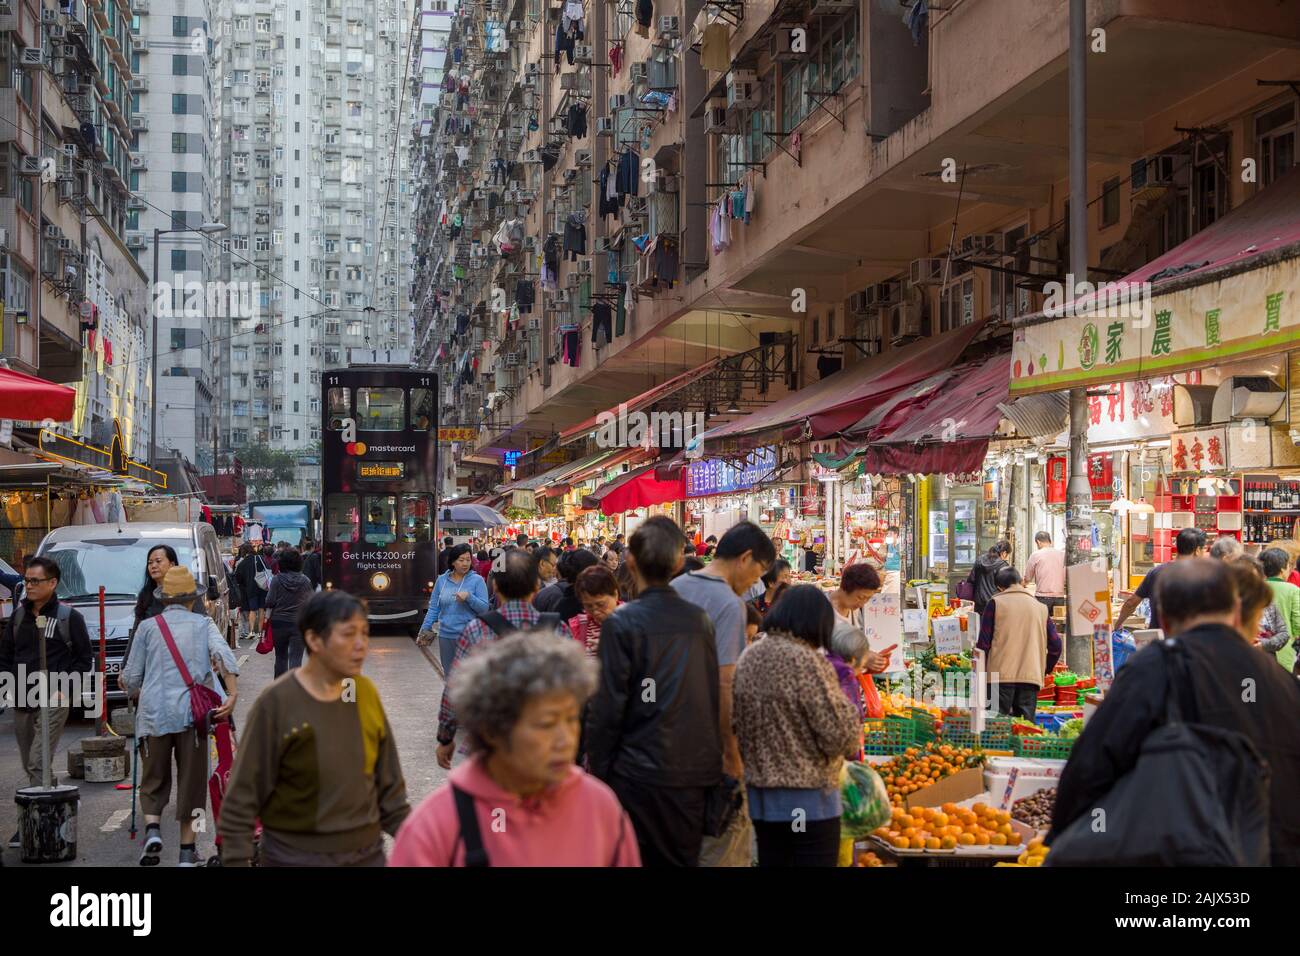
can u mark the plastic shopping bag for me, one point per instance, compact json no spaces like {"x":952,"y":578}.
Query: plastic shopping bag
{"x":863,"y":799}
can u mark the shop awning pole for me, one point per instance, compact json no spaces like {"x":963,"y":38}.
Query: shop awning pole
{"x":1078,"y":529}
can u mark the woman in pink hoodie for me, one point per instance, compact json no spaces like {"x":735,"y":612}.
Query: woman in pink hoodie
{"x":520,"y":801}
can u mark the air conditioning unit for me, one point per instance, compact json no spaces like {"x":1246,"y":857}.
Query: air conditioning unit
{"x":30,"y":56}
{"x":77,"y":28}
{"x":619,"y":101}
{"x":516,"y":26}
{"x":716,"y":120}
{"x":780,"y":47}
{"x":927,"y":271}
{"x":6,"y":8}
{"x":141,"y":45}
{"x":139,"y":85}
{"x":54,"y":32}
{"x":604,"y":126}
{"x":140,"y":6}
{"x":534,"y":325}
{"x":1151,"y":175}
{"x":53,"y":232}
{"x":67,"y":190}
{"x":30,"y":166}
{"x":664,"y":181}
{"x":981,"y":244}
{"x":884,"y":294}
{"x":67,"y":244}
{"x":560,"y":297}
{"x":637,"y":71}
{"x":532,"y":156}
{"x":49,"y":15}
{"x":582,"y":157}
{"x":139,"y":162}
{"x":139,"y":122}
{"x":670,"y":26}
{"x":582,"y":53}
{"x":742,"y":89}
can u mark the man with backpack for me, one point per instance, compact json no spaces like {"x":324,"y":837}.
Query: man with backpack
{"x":1237,"y":710}
{"x":40,"y":617}
{"x":516,"y":585}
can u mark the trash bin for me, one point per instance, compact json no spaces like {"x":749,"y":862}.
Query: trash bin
{"x":47,"y":823}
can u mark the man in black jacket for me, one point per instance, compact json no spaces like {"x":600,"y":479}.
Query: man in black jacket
{"x":652,"y":730}
{"x":40,"y":617}
{"x":311,"y":566}
{"x":1228,"y":683}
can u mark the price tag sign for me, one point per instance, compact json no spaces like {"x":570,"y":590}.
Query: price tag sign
{"x":882,"y":621}
{"x":1103,"y":665}
{"x":914,"y":622}
{"x":947,"y":635}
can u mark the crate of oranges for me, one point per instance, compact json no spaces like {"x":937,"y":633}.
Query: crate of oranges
{"x":950,"y":829}
{"x":922,"y":765}
{"x":887,"y":735}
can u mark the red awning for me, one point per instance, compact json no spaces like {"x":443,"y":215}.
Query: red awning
{"x":638,"y":488}
{"x":950,"y":432}
{"x":646,"y":398}
{"x":31,"y":399}
{"x":843,"y":398}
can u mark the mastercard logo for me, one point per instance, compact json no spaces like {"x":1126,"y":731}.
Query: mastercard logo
{"x":355,"y":448}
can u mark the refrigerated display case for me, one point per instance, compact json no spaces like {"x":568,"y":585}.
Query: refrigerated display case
{"x":956,"y":526}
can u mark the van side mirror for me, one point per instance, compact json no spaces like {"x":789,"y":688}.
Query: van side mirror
{"x":213,"y":593}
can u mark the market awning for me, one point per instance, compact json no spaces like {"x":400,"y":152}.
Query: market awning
{"x":638,"y":488}
{"x":1229,"y":292}
{"x":842,"y":399}
{"x":949,"y":433}
{"x":27,"y":398}
{"x":644,"y":400}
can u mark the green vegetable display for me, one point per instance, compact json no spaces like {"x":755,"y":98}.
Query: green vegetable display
{"x":1071,"y":728}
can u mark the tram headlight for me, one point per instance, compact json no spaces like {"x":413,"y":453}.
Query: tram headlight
{"x":380,"y":581}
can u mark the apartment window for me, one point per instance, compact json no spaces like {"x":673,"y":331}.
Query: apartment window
{"x":180,"y":64}
{"x":178,"y":260}
{"x":179,"y":182}
{"x":180,"y":143}
{"x":1275,"y":134}
{"x":180,"y":26}
{"x":263,"y":24}
{"x":181,"y":104}
{"x":1110,"y":202}
{"x":1209,"y":184}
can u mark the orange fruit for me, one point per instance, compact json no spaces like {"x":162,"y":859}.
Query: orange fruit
{"x":900,"y":843}
{"x":1013,"y":838}
{"x":1005,"y":829}
{"x":949,"y":808}
{"x":932,"y":844}
{"x":966,"y":839}
{"x":918,"y":843}
{"x":981,"y":838}
{"x":980,"y":808}
{"x":1004,"y":817}
{"x":998,"y":839}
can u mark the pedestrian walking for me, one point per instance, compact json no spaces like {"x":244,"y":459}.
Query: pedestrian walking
{"x":795,"y":726}
{"x":742,"y":556}
{"x":172,"y":651}
{"x":1201,"y":672}
{"x":1045,"y":569}
{"x":1286,"y":596}
{"x":289,"y":591}
{"x":444,"y":556}
{"x":559,"y":597}
{"x":317,"y":763}
{"x":662,"y":759}
{"x":520,"y":800}
{"x":598,"y":592}
{"x":1021,"y":644}
{"x":40,"y":618}
{"x":516,"y":584}
{"x":311,"y":564}
{"x":248,"y":570}
{"x":459,"y":596}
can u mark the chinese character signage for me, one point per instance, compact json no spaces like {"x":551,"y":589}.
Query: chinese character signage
{"x":457,"y":434}
{"x":510,"y":458}
{"x":715,"y":476}
{"x":381,"y":470}
{"x":1199,"y":451}
{"x":1144,"y":336}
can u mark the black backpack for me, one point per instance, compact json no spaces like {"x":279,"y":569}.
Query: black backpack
{"x":63,"y":615}
{"x":548,"y":622}
{"x":1197,"y":796}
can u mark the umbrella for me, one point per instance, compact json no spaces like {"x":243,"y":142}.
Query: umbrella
{"x":28,"y":398}
{"x":473,"y":514}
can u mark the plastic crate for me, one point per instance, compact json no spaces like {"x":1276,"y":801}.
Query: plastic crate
{"x":923,"y":726}
{"x":1043,"y":747}
{"x":888,"y":736}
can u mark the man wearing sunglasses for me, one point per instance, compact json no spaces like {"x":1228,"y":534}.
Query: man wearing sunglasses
{"x":40,"y":617}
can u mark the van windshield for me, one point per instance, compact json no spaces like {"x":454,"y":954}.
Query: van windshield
{"x":116,"y":563}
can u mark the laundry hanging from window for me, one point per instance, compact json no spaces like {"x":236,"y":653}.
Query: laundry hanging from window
{"x":575,"y":235}
{"x":576,"y":121}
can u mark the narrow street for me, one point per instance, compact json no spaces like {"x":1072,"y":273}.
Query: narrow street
{"x":407,"y":680}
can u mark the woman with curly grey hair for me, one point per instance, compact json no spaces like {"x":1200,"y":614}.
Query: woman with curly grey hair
{"x":520,"y":800}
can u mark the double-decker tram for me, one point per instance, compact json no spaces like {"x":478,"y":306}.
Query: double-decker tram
{"x":379,"y":464}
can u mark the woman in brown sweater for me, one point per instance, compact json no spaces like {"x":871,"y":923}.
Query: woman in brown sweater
{"x":795,"y":726}
{"x":317,"y":763}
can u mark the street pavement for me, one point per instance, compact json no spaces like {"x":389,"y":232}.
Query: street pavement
{"x":409,"y":685}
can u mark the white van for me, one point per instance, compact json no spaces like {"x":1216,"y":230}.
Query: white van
{"x":114,"y":555}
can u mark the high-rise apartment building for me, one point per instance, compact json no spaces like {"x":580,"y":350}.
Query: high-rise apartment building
{"x":311,"y":179}
{"x":172,"y":185}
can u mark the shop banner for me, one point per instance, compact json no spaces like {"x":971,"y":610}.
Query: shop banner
{"x":1253,"y":313}
{"x":1199,"y":451}
{"x":457,"y":434}
{"x":882,"y":622}
{"x":717,"y":476}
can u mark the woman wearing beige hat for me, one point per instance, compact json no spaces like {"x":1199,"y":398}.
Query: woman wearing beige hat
{"x":164,"y":723}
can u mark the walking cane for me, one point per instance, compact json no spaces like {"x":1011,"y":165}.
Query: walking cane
{"x":135,"y":763}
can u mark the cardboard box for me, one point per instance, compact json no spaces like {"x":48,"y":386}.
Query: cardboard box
{"x":962,"y":785}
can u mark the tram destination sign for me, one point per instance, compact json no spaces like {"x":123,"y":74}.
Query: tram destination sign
{"x":381,"y":470}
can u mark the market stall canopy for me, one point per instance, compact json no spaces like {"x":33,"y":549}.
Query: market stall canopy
{"x":1229,"y":292}
{"x":472,"y":514}
{"x":638,"y":488}
{"x":644,"y":400}
{"x":843,"y":398}
{"x":30,"y":399}
{"x":949,"y":433}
